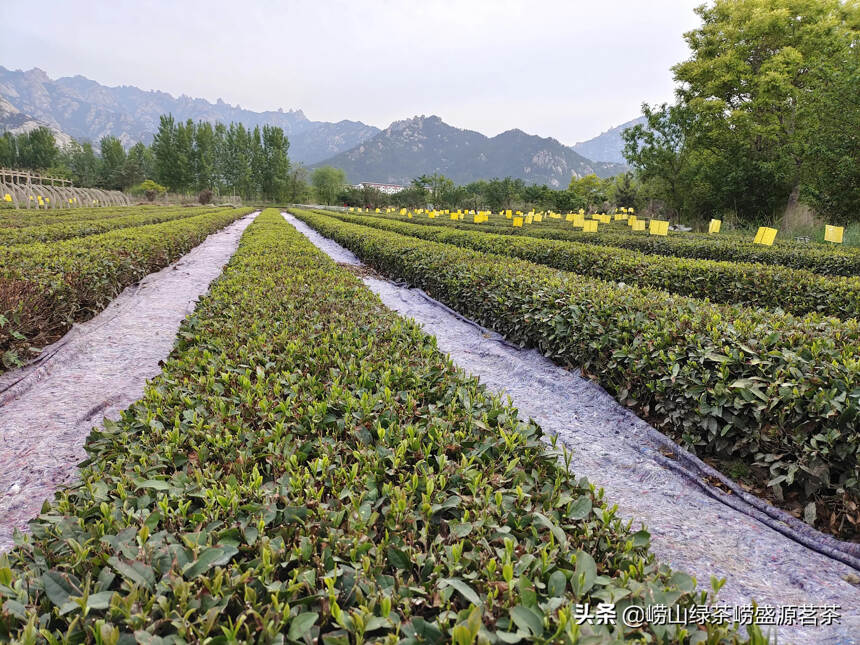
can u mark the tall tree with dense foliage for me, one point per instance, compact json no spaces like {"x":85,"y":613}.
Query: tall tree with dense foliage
{"x":276,"y":163}
{"x":766,"y":81}
{"x":113,"y":163}
{"x":165,"y":149}
{"x":327,"y":182}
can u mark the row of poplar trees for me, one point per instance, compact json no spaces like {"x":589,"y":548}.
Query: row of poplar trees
{"x":230,"y":159}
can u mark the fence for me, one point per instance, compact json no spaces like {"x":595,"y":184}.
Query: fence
{"x":31,"y":190}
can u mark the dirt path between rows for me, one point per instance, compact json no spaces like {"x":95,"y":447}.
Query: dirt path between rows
{"x":97,"y":370}
{"x":690,"y":530}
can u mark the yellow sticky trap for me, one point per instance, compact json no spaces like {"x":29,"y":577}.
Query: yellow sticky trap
{"x":831,"y":233}
{"x":579,"y":220}
{"x":518,"y":222}
{"x":714,"y":226}
{"x":7,"y":197}
{"x":765,"y":236}
{"x":538,"y":217}
{"x":590,"y":226}
{"x":409,"y":215}
{"x":658,"y":227}
{"x":620,"y":217}
{"x":568,"y":217}
{"x":639,"y":225}
{"x":529,"y":219}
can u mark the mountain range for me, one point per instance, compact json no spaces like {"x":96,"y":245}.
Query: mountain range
{"x":426,"y":145}
{"x":86,"y":110}
{"x":83,"y":109}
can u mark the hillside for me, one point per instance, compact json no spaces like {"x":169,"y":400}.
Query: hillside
{"x":424,"y":145}
{"x":609,"y":145}
{"x":16,"y":122}
{"x":86,"y":109}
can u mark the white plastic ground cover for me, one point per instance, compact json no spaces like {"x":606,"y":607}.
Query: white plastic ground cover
{"x":95,"y":371}
{"x":692,"y":529}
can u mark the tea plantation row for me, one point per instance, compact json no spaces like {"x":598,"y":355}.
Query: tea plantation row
{"x":70,"y":227}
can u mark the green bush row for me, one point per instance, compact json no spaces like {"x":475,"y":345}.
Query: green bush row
{"x":793,"y":290}
{"x":310,"y":468}
{"x":45,"y":287}
{"x":15,"y":218}
{"x":826,"y":260}
{"x":747,"y":384}
{"x":74,"y":228}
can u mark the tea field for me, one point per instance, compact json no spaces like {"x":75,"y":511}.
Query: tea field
{"x":755,"y":366}
{"x":62,"y":267}
{"x":309,"y":467}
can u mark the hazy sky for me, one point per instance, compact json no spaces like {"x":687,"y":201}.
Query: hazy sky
{"x":563,"y":69}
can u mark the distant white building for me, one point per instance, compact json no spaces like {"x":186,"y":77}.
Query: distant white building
{"x":388,"y":189}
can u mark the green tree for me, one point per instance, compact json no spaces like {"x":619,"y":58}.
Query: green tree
{"x":752,"y":84}
{"x":327,"y":182}
{"x":166,"y":152}
{"x":501,"y":193}
{"x":658,"y":150}
{"x":8,"y":150}
{"x":589,"y":189}
{"x":113,"y":163}
{"x":766,"y":113}
{"x":83,"y":164}
{"x":37,"y":149}
{"x":298,"y":190}
{"x":831,"y":177}
{"x":276,"y":163}
{"x":203,"y":156}
{"x":139,"y":165}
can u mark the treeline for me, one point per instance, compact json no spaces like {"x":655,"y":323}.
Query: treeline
{"x":590,"y":193}
{"x":767,"y":115}
{"x":184,"y":157}
{"x":110,"y":167}
{"x":229,"y":159}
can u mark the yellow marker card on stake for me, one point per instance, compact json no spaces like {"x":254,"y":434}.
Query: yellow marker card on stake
{"x":658,"y":227}
{"x":831,"y":233}
{"x":765,"y":236}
